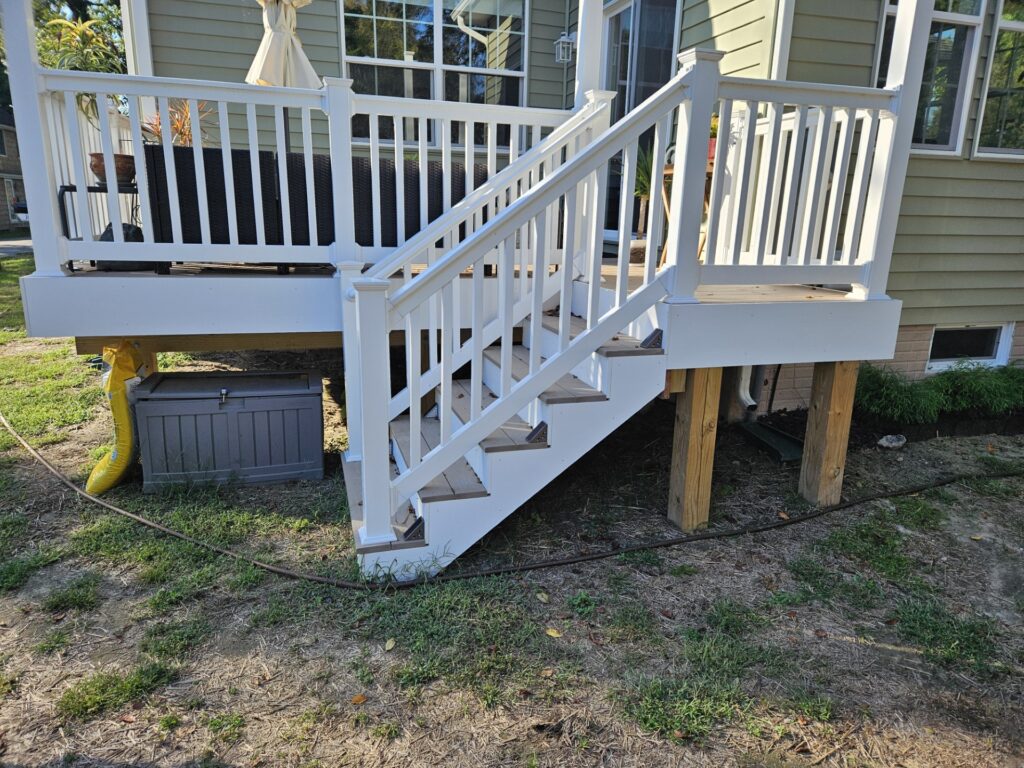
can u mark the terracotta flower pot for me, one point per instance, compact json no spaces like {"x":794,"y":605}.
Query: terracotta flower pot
{"x":124,"y":167}
{"x":712,"y":146}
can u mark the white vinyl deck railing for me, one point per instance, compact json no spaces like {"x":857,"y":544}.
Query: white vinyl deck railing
{"x":250,"y":174}
{"x":794,"y":197}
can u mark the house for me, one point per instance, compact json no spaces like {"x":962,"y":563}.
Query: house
{"x":12,"y":196}
{"x":455,"y":194}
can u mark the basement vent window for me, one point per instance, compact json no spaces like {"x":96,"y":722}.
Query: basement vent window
{"x":982,"y":345}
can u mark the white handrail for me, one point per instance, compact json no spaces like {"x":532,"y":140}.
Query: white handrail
{"x":475,"y":200}
{"x":363,"y":103}
{"x":539,"y":197}
{"x":820,"y":95}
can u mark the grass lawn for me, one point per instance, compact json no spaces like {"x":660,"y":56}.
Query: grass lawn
{"x":891,"y":633}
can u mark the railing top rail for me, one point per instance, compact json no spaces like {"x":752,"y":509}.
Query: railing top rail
{"x":363,"y":103}
{"x":629,"y":128}
{"x":174,"y":87}
{"x":437,"y":228}
{"x":810,"y":94}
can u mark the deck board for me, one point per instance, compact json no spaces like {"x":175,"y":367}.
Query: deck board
{"x":510,"y":436}
{"x":459,"y":481}
{"x":620,"y":345}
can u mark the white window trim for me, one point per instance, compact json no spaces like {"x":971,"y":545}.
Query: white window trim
{"x":979,"y":152}
{"x":964,"y":94}
{"x":436,"y":67}
{"x":1003,"y":346}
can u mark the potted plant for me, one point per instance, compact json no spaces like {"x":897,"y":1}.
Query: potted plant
{"x":86,"y":46}
{"x":180,"y":123}
{"x":713,"y":140}
{"x":642,"y":190}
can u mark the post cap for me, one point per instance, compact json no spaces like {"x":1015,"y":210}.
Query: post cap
{"x":596,"y":95}
{"x":691,"y":56}
{"x":337,"y":82}
{"x":370,"y":284}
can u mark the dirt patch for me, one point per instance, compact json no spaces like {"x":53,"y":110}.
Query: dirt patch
{"x":790,"y":641}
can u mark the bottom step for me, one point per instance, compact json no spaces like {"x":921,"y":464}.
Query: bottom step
{"x":407,"y":533}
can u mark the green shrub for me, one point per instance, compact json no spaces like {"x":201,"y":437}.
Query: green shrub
{"x":965,"y":389}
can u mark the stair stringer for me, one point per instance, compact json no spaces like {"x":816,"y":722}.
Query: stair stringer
{"x":514,"y":477}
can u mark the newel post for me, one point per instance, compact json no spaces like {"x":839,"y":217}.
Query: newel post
{"x":33,"y":135}
{"x":687,"y":205}
{"x":591,"y":239}
{"x":375,"y":375}
{"x":338,"y":105}
{"x":349,"y":272}
{"x":589,"y":45}
{"x":895,"y":136}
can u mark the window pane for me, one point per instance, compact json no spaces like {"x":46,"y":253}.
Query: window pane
{"x":359,"y":36}
{"x":390,"y":39}
{"x":390,"y":81}
{"x":389,"y":29}
{"x":972,"y":7}
{"x":484,"y":33}
{"x":1003,"y":121}
{"x":940,"y":87}
{"x":482,"y":89}
{"x":956,"y":343}
{"x":1013,"y":10}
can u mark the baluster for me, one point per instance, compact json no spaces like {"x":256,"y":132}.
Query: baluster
{"x":113,"y":205}
{"x":859,"y":189}
{"x":413,"y":374}
{"x":539,"y":273}
{"x":745,"y":178}
{"x":534,"y":136}
{"x":256,"y":169}
{"x":718,"y":179}
{"x":446,"y":165}
{"x":424,"y":162}
{"x":476,"y":381}
{"x":656,"y":202}
{"x":569,"y":247}
{"x":506,"y":305}
{"x":838,"y":194}
{"x":307,"y":161}
{"x":795,"y":188}
{"x":224,"y":129}
{"x":141,"y":172}
{"x":399,"y":127}
{"x":766,"y":185}
{"x":595,"y":243}
{"x":513,"y":142}
{"x":772,"y":237}
{"x":811,"y":230}
{"x":199,"y":162}
{"x":375,"y":196}
{"x":626,"y":190}
{"x":448,"y":330}
{"x":469,"y":159}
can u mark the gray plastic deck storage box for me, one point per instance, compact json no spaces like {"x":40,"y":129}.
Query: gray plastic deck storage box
{"x":229,"y":427}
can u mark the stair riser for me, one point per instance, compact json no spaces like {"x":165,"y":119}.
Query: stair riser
{"x":594,"y":370}
{"x":513,"y":477}
{"x":640,"y":328}
{"x":492,"y":378}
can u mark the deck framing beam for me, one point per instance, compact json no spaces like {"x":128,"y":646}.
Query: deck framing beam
{"x":828,"y":432}
{"x":693,"y":448}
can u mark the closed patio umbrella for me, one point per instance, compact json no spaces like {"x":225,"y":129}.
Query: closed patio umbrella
{"x":280,"y":59}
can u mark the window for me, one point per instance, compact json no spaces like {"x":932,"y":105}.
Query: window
{"x":1002,"y":118}
{"x":982,"y":345}
{"x":457,"y":50}
{"x":948,"y":71}
{"x":3,"y":142}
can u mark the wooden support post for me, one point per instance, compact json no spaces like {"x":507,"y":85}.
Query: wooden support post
{"x":828,"y":432}
{"x":675,"y":382}
{"x":693,"y":448}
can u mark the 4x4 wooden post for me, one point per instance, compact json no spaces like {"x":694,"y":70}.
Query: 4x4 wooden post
{"x":693,"y":448}
{"x":828,"y":432}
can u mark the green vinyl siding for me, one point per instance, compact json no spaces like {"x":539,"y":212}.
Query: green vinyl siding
{"x":959,"y":250}
{"x":741,"y":29}
{"x":549,"y":85}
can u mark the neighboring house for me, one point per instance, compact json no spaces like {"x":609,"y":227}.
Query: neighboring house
{"x":468,"y":197}
{"x":12,"y":193}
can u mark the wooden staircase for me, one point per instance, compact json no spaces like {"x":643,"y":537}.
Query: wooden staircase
{"x":515,"y":461}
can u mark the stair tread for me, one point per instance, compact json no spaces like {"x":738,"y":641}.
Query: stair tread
{"x":459,"y":481}
{"x":401,"y":522}
{"x":621,"y":345}
{"x":510,"y":436}
{"x":567,"y":389}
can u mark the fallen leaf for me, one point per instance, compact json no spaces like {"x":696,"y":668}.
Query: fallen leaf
{"x":358,"y":699}
{"x":820,"y":633}
{"x":552,"y":632}
{"x":390,"y":644}
{"x":667,"y":613}
{"x":547,"y":672}
{"x":678,"y":735}
{"x":791,"y":614}
{"x":544,"y":597}
{"x":783,"y":515}
{"x":991,"y":448}
{"x":976,"y":538}
{"x":127,"y":718}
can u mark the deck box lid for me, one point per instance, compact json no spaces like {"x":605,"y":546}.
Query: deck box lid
{"x":188,"y":385}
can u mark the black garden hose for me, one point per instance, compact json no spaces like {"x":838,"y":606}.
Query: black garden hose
{"x":500,"y":570}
